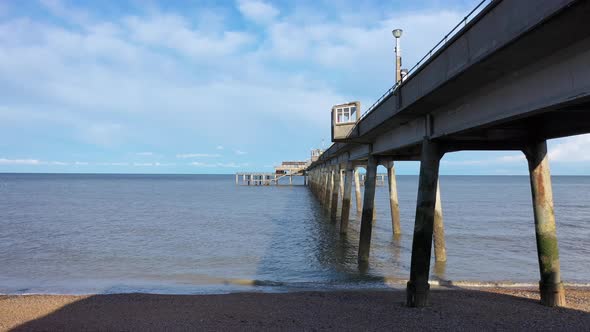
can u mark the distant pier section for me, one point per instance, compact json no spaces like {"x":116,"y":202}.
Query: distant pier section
{"x":286,"y":170}
{"x":289,"y":169}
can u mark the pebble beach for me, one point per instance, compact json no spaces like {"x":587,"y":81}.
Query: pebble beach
{"x":450,"y":309}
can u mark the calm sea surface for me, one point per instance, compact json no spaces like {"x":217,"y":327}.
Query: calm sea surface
{"x":204,"y":234}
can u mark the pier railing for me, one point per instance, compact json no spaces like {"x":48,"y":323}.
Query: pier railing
{"x":433,"y":51}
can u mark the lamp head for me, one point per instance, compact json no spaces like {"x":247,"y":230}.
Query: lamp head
{"x":397,"y":33}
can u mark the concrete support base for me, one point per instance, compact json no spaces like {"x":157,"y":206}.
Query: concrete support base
{"x":418,"y":287}
{"x":551,"y":288}
{"x":552,"y":295}
{"x":417,"y":295}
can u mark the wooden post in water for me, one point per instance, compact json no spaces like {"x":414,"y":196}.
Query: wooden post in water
{"x":393,"y":201}
{"x":440,"y":251}
{"x":418,"y":287}
{"x":335,"y":190}
{"x":550,"y":285}
{"x":345,"y":214}
{"x":367,"y":216}
{"x":357,"y":191}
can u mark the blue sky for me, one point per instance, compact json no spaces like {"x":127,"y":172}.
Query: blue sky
{"x":209,"y":86}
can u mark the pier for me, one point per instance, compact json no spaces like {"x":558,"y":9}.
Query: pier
{"x":267,"y":179}
{"x":510,"y":76}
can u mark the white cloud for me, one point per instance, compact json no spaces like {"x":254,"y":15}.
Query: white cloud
{"x":201,"y":164}
{"x":570,"y":149}
{"x":518,"y":157}
{"x":58,"y":163}
{"x":515,"y":157}
{"x":162,"y":78}
{"x":219,"y":147}
{"x":220,"y":165}
{"x":156,"y":164}
{"x":228,"y":165}
{"x":37,"y":162}
{"x":240,"y":152}
{"x":112,"y":164}
{"x":59,"y":9}
{"x":120,"y":83}
{"x":145,"y":154}
{"x":351,"y":44}
{"x":257,"y":11}
{"x":197,"y":155}
{"x":174,"y":32}
{"x":4,"y":161}
{"x":104,"y":134}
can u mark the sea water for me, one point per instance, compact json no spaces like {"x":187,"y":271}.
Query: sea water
{"x":74,"y":233}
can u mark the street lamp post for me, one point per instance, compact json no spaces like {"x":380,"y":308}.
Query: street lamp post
{"x":397,"y":33}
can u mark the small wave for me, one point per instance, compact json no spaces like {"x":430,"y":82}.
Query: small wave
{"x":270,"y":286}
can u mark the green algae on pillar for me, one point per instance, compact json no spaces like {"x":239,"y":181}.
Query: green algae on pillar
{"x":551,"y":287}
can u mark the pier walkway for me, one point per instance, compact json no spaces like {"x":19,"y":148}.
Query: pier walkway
{"x":510,"y":76}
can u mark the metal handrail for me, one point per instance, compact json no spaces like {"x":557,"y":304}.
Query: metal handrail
{"x":427,"y":56}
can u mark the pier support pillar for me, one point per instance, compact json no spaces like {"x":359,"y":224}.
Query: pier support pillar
{"x":393,"y":201}
{"x":335,"y":190}
{"x":326,"y":191}
{"x":551,"y":287}
{"x":367,"y":216}
{"x":342,"y":173}
{"x":418,"y":288}
{"x":330,"y":188}
{"x":357,"y":191}
{"x":322,"y":185}
{"x":440,"y":251}
{"x":346,"y":193}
